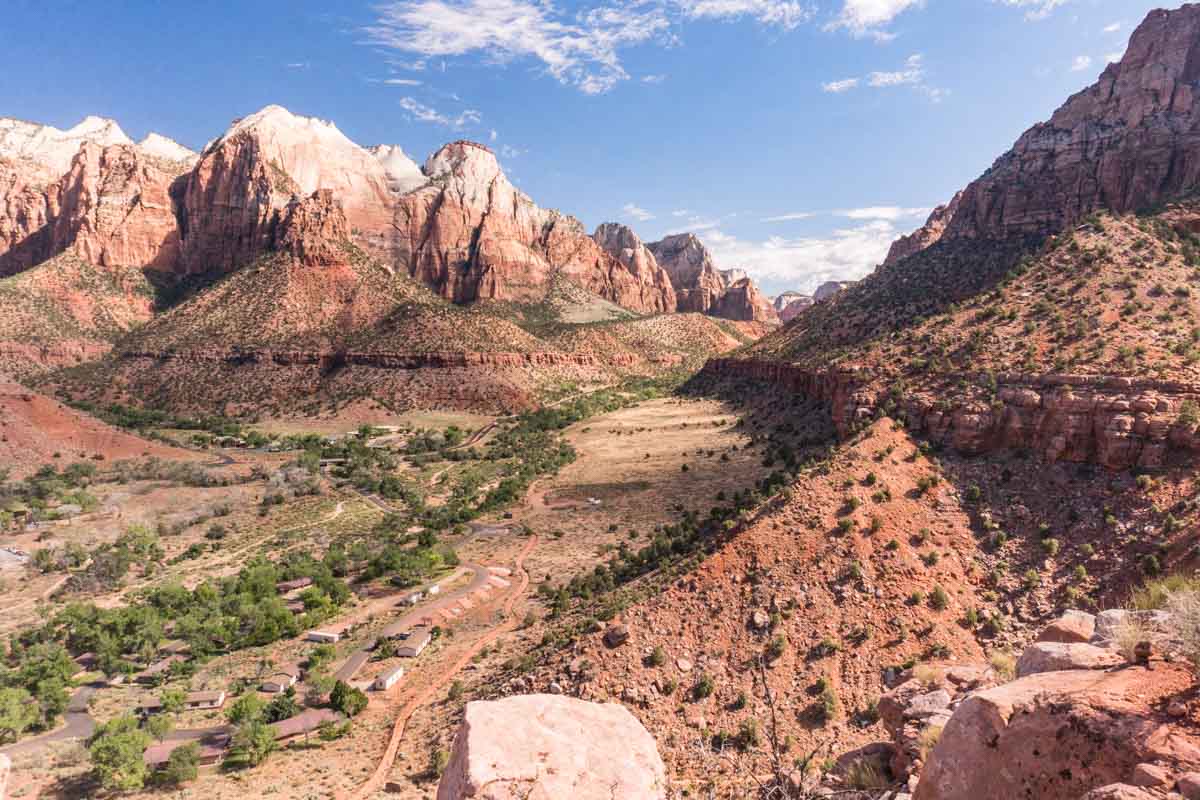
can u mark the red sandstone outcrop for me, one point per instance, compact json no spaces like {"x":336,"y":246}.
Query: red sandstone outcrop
{"x":470,"y":234}
{"x":927,"y":235}
{"x":623,"y":244}
{"x":1115,"y":422}
{"x":315,"y":230}
{"x":539,"y":747}
{"x":700,"y":286}
{"x":28,"y":200}
{"x":116,"y":208}
{"x":1129,"y":141}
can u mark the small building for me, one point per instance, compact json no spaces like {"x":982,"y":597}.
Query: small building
{"x":304,"y":722}
{"x":416,"y":641}
{"x":353,"y":664}
{"x":324,"y":637}
{"x":194,"y":701}
{"x":284,"y":677}
{"x":387,"y":680}
{"x":413,"y":598}
{"x":283,"y":587}
{"x":294,"y":606}
{"x":157,"y":755}
{"x":159,"y":669}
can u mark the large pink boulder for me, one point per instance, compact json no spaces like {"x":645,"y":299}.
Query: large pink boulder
{"x":1057,"y":734}
{"x":547,"y":747}
{"x":1072,"y":627}
{"x":1055,"y":656}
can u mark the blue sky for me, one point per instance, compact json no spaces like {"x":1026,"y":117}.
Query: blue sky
{"x":796,"y":137}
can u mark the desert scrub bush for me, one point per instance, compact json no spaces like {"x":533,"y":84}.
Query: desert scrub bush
{"x":1154,"y":594}
{"x":777,"y":647}
{"x":938,"y":599}
{"x":930,"y":677}
{"x":703,"y":688}
{"x":657,"y":656}
{"x":928,"y":740}
{"x":1129,"y":632}
{"x":1184,"y":608}
{"x":866,"y":775}
{"x":827,"y":705}
{"x":1003,"y":664}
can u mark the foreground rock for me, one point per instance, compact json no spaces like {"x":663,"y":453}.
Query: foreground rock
{"x":544,"y":747}
{"x":1059,"y":734}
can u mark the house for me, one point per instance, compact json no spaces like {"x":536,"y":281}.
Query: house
{"x":211,"y":751}
{"x":159,"y":669}
{"x":324,"y":637}
{"x":294,"y":606}
{"x":194,"y":701}
{"x":304,"y":722}
{"x":416,"y":641}
{"x":353,"y":664}
{"x":387,"y":680}
{"x":283,"y":587}
{"x":282,"y":678}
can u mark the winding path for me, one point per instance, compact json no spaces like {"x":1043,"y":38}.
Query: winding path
{"x":377,"y":779}
{"x":80,"y":725}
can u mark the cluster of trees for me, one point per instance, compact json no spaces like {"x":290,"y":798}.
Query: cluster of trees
{"x":217,"y":616}
{"x":34,"y":680}
{"x":47,"y":486}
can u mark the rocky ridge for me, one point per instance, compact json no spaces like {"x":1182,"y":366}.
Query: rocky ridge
{"x":703,"y":288}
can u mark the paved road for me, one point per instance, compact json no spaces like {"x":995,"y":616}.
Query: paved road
{"x":80,"y":725}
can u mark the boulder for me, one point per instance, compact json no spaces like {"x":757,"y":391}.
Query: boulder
{"x":540,"y":747}
{"x":1058,"y":734}
{"x":1073,"y":627}
{"x":1150,"y":775}
{"x":1055,"y":657}
{"x":1108,"y":623}
{"x":1119,"y":791}
{"x":1189,"y":785}
{"x":616,"y":635}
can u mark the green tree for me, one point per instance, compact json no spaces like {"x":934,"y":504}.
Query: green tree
{"x":282,"y":707}
{"x":252,"y":743}
{"x":346,"y":699}
{"x":159,"y":725}
{"x":247,"y":708}
{"x":173,"y":700}
{"x":18,"y":712}
{"x":182,"y":765}
{"x":116,"y":750}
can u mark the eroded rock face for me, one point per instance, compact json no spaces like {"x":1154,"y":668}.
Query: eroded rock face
{"x":1129,"y":141}
{"x":546,"y":747}
{"x":790,"y":305}
{"x":925,"y":236}
{"x":701,"y":287}
{"x":623,"y":244}
{"x":314,"y":230}
{"x":117,"y":209}
{"x":1114,"y":422}
{"x":240,"y":190}
{"x":829,"y":289}
{"x":470,"y":234}
{"x":28,"y":201}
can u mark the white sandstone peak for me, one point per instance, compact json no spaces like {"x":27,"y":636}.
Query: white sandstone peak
{"x":403,"y":173}
{"x":55,"y":148}
{"x":158,"y":145}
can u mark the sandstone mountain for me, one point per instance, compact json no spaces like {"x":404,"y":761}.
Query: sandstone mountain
{"x":701,"y":286}
{"x":829,"y":289}
{"x":789,"y":305}
{"x":925,"y":236}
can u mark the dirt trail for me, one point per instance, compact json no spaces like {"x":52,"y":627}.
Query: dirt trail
{"x":376,"y":781}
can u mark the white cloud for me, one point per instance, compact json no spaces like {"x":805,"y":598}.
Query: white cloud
{"x":786,"y":14}
{"x":888,"y":213}
{"x":1113,"y":28}
{"x":1081,"y":63}
{"x":579,"y":51}
{"x":865,"y":18}
{"x":297,"y":65}
{"x":579,"y":48}
{"x":402,"y":82}
{"x":640,"y":214}
{"x":653,"y":78}
{"x":1037,"y":9}
{"x":912,"y":74}
{"x":508,"y":151}
{"x":789,"y":217}
{"x":680,"y":212}
{"x":493,"y":135}
{"x":424,"y":113}
{"x":804,"y":263}
{"x":837,"y":87}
